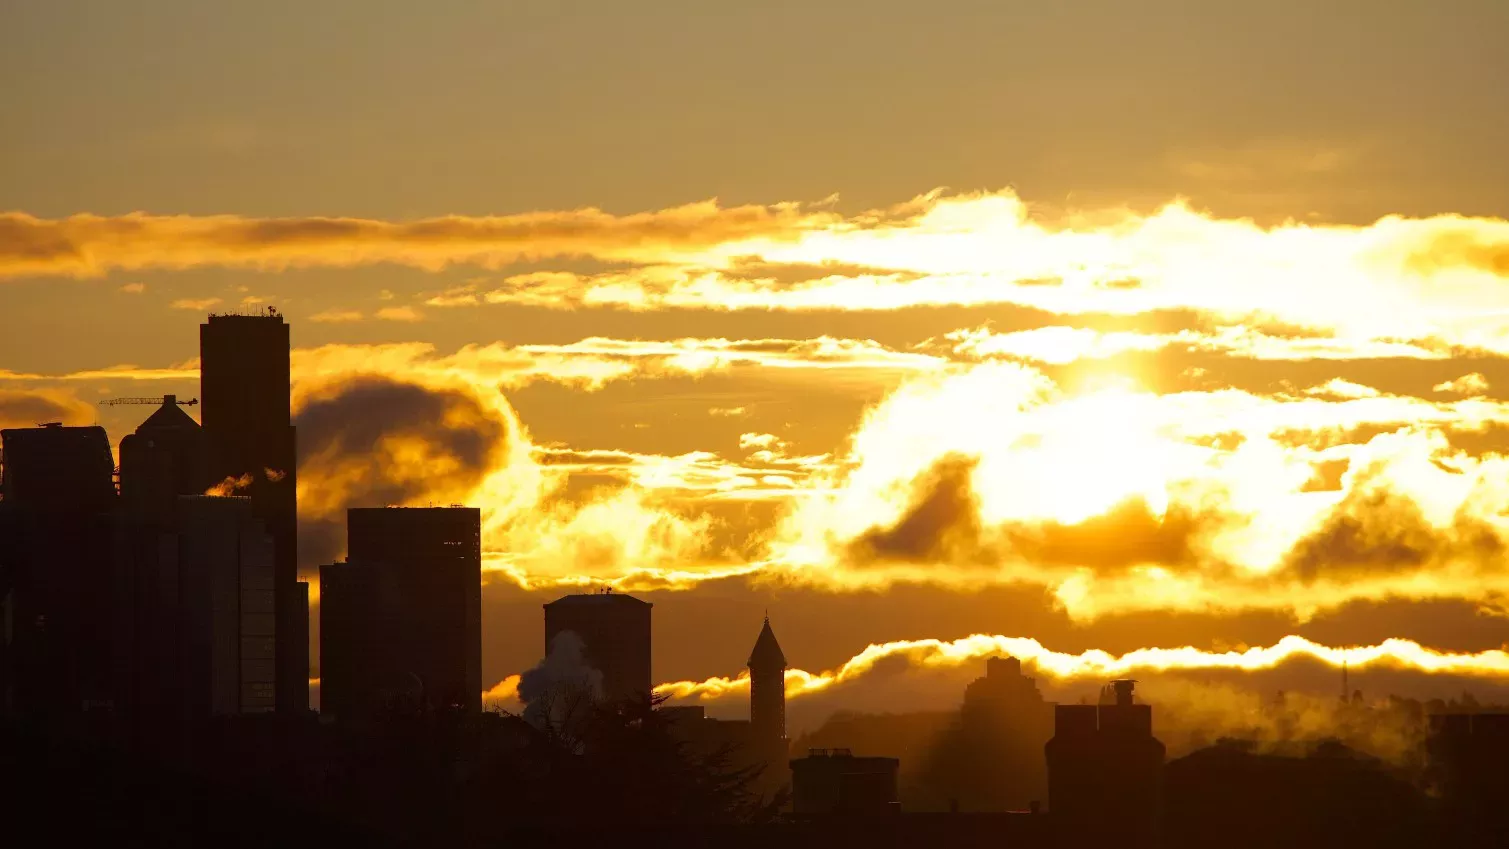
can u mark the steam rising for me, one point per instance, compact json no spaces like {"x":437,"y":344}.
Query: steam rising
{"x":553,"y":688}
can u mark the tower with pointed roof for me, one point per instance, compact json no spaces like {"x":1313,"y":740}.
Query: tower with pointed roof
{"x":767,"y":687}
{"x":165,"y":458}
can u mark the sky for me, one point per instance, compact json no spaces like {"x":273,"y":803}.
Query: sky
{"x":1110,"y":326}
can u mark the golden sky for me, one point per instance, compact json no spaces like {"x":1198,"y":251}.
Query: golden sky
{"x":1106,"y":326}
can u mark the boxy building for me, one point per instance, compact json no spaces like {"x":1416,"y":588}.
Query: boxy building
{"x":1105,"y":773}
{"x":248,"y":430}
{"x":615,"y":632}
{"x":402,"y":617}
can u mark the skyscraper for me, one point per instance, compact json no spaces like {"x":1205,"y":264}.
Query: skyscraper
{"x":163,"y":459}
{"x":248,"y":425}
{"x":228,"y":629}
{"x":55,"y":568}
{"x":402,"y":617}
{"x":767,"y":687}
{"x":615,"y":632}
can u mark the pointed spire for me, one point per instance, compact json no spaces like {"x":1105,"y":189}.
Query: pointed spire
{"x":767,"y":652}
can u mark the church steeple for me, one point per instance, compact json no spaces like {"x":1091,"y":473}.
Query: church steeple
{"x":767,"y":686}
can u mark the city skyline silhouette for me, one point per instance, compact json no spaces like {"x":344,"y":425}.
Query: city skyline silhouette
{"x":994,"y":424}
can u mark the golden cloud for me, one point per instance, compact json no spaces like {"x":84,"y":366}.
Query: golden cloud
{"x":92,"y":245}
{"x":1390,"y":282}
{"x":1100,"y":665}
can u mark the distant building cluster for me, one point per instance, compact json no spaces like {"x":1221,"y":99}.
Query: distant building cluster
{"x":167,"y":587}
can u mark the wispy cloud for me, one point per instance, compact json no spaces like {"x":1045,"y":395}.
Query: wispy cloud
{"x":336,"y":316}
{"x":194,"y":303}
{"x":399,"y":314}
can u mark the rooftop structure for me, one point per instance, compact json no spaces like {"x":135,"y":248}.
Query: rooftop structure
{"x":615,"y":633}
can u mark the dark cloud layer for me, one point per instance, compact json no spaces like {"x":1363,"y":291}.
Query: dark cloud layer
{"x":943,"y":524}
{"x":1129,"y":534}
{"x":1374,"y":530}
{"x":346,"y":438}
{"x":27,"y":409}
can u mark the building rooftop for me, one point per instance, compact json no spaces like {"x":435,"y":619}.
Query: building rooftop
{"x":767,"y":650}
{"x":168,"y":416}
{"x":603,"y":598}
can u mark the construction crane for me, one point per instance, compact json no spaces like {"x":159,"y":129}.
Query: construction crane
{"x":156,"y":402}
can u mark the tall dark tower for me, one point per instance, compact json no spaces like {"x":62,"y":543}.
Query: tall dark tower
{"x":767,"y":687}
{"x":248,"y":425}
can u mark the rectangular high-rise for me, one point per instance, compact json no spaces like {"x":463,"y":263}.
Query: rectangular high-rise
{"x":228,"y":630}
{"x":615,"y":632}
{"x":55,"y":577}
{"x":247,"y":416}
{"x":402,"y":617}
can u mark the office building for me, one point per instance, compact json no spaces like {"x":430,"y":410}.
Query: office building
{"x":830,"y":782}
{"x":55,"y":575}
{"x":228,"y":631}
{"x":164,"y":458}
{"x":401,"y":619}
{"x":248,"y":427}
{"x":55,"y":468}
{"x":615,"y":632}
{"x":1105,"y":772}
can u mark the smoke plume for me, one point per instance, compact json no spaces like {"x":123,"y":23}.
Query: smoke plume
{"x":561,"y":684}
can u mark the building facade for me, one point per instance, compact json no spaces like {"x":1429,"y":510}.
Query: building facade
{"x":615,"y":632}
{"x":1105,"y":772}
{"x":55,"y":569}
{"x":401,"y":619}
{"x":228,"y":637}
{"x":248,"y":426}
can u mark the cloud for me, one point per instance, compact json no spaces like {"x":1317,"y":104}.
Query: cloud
{"x":1113,"y":499}
{"x":89,"y":245}
{"x":188,"y":370}
{"x":29,"y":408}
{"x":194,"y":303}
{"x":336,"y":316}
{"x":1099,"y":665}
{"x":595,"y":362}
{"x":1469,"y":385}
{"x":399,"y":314}
{"x":759,"y":440}
{"x":1396,"y":282}
{"x":458,"y":296}
{"x":134,"y":288}
{"x":371,"y":440}
{"x":941,"y":524}
{"x":1378,"y":530}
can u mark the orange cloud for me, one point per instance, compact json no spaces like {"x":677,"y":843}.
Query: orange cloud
{"x":90,"y":245}
{"x":1100,"y":665}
